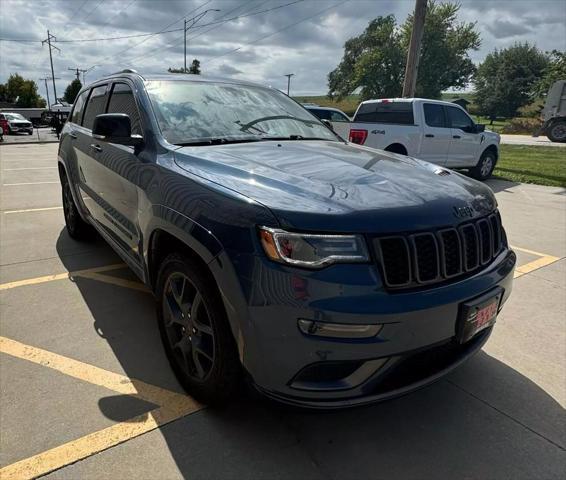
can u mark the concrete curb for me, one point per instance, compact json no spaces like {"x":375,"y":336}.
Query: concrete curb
{"x":29,"y":143}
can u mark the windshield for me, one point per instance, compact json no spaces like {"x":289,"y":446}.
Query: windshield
{"x":15,"y":116}
{"x":194,"y":112}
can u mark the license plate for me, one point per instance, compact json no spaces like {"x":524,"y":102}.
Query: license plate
{"x":479,"y":314}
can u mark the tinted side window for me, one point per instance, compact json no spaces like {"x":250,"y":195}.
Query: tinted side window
{"x":122,"y":101}
{"x":95,"y":106}
{"x":338,"y":117}
{"x":434,"y":115}
{"x":458,"y":119}
{"x":322,"y":114}
{"x":386,"y":112}
{"x":78,"y":107}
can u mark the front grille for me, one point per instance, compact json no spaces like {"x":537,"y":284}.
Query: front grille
{"x":432,"y":257}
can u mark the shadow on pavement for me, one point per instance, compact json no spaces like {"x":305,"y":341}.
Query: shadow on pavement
{"x":486,"y":420}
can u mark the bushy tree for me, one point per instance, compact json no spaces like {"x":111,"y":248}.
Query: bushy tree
{"x":375,"y":60}
{"x":72,"y":91}
{"x":506,"y":80}
{"x":555,"y":70}
{"x":22,"y":92}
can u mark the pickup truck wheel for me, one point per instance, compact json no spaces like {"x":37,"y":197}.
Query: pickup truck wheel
{"x":485,"y":166}
{"x":76,"y":226}
{"x":557,"y":132}
{"x":195,"y":331}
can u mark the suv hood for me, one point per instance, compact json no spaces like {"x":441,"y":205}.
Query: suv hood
{"x":332,"y":186}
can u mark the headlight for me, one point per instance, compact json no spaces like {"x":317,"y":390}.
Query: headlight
{"x":312,"y":250}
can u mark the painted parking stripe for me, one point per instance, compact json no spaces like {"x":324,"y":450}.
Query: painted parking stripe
{"x":59,"y":276}
{"x":116,"y":281}
{"x":173,"y":405}
{"x":29,"y":183}
{"x":28,"y":168}
{"x":44,"y":209}
{"x":529,"y":267}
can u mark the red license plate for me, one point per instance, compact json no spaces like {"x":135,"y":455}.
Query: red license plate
{"x":478,"y":315}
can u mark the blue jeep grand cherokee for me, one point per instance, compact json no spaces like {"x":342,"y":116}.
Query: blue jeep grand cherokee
{"x":328,"y":274}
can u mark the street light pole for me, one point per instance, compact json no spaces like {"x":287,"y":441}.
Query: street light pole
{"x":47,"y":91}
{"x":289,"y":75}
{"x":194,"y":19}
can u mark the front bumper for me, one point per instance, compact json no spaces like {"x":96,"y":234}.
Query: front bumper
{"x":414,"y":347}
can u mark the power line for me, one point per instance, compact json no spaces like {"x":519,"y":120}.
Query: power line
{"x":257,"y":40}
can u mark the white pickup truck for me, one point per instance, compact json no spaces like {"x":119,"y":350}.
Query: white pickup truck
{"x":431,"y":130}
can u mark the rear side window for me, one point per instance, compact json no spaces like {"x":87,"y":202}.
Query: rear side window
{"x":386,"y":112}
{"x":434,"y":115}
{"x":79,"y":107}
{"x":459,"y":119}
{"x":95,"y":106}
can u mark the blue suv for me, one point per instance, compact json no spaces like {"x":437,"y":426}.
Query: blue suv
{"x":326,"y":273}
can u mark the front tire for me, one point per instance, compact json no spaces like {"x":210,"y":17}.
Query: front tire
{"x":195,"y":331}
{"x":483,"y":170}
{"x":77,"y":228}
{"x":557,"y":132}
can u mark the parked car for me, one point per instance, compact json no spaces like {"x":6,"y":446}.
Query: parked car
{"x":15,"y":123}
{"x":326,"y":273}
{"x":431,"y":130}
{"x":338,"y":119}
{"x":554,"y":113}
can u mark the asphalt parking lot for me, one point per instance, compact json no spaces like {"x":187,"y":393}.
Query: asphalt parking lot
{"x":86,"y":392}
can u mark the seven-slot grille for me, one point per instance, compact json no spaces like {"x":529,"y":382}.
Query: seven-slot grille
{"x":431,"y":257}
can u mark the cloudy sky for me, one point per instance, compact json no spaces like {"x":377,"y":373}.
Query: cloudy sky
{"x":303,"y":37}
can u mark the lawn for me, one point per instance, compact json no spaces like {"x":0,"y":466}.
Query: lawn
{"x":527,"y":164}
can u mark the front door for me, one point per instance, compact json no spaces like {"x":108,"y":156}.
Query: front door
{"x":465,"y":144}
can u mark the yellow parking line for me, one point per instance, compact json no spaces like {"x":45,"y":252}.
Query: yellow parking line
{"x":534,"y":265}
{"x":32,"y":210}
{"x":532,"y":252}
{"x":28,"y":168}
{"x":173,"y":405}
{"x":96,"y":442}
{"x":59,"y":276}
{"x":27,"y":183}
{"x":116,"y":281}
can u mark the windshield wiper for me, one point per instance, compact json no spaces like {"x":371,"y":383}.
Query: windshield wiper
{"x":294,"y":137}
{"x":216,"y":141}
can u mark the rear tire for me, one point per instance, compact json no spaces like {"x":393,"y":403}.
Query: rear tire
{"x":483,"y":170}
{"x":195,"y":331}
{"x":557,"y":132}
{"x":77,"y":228}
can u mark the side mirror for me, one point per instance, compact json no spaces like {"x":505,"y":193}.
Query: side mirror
{"x":328,"y":124}
{"x":115,"y":128}
{"x":480,"y":128}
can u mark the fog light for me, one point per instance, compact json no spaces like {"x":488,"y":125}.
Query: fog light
{"x":338,"y":330}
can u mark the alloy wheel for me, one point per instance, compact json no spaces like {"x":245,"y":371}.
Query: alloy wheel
{"x":188,"y":327}
{"x":486,"y":166}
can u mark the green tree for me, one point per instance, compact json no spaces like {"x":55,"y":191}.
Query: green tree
{"x":375,"y":60}
{"x":22,"y":92}
{"x":72,"y":91}
{"x":556,"y":70}
{"x":506,"y":80}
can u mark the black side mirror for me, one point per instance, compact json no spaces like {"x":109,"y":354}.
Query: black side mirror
{"x":115,"y":128}
{"x":328,"y":124}
{"x":480,"y":128}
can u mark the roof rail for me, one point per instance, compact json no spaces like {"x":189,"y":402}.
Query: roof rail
{"x":126,"y":70}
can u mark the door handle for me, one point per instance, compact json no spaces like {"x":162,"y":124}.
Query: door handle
{"x":429,"y":135}
{"x":73,"y":135}
{"x":98,"y":148}
{"x":456,"y":136}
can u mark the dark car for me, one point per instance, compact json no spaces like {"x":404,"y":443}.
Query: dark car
{"x":13,"y":123}
{"x":326,"y":273}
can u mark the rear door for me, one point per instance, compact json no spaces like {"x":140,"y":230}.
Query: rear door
{"x":465,"y":144}
{"x":436,"y":136}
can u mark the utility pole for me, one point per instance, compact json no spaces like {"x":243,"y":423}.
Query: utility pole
{"x":47,"y":90}
{"x":86,"y":71}
{"x":193,"y":22}
{"x":78,"y":72}
{"x":412,"y":67}
{"x":289,"y":75}
{"x":48,"y":41}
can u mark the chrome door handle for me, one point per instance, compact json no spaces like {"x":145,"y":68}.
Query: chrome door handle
{"x":98,"y":148}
